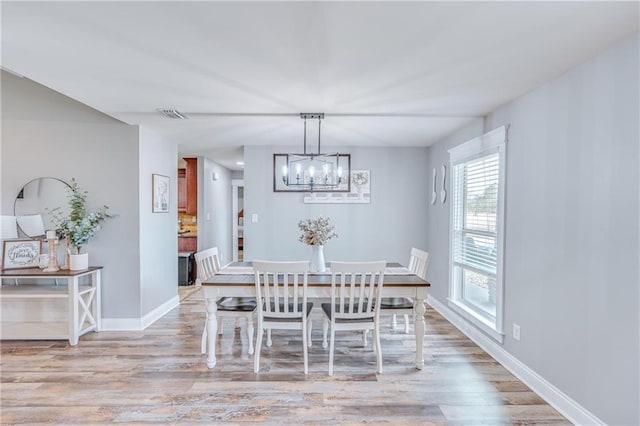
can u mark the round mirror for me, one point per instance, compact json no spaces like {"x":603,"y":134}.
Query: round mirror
{"x":35,"y":201}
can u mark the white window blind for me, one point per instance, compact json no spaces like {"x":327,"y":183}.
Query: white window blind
{"x":475,"y":211}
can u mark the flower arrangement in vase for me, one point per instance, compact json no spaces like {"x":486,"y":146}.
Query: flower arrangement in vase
{"x":315,"y":233}
{"x":79,"y":227}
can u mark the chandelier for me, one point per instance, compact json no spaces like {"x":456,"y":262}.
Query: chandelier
{"x":311,"y":172}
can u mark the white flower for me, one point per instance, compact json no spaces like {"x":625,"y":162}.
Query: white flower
{"x":316,"y":232}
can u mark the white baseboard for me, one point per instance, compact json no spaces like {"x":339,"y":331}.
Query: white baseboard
{"x":121,"y":324}
{"x":569,"y":408}
{"x":160,"y":311}
{"x":137,"y":324}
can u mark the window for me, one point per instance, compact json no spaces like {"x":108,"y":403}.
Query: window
{"x":477,"y":224}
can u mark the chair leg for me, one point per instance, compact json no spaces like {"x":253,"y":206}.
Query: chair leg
{"x":376,"y":338}
{"x":256,"y":356}
{"x":305,"y":338}
{"x":250,"y":334}
{"x":325,"y":328}
{"x":332,"y":347}
{"x":406,"y":323}
{"x":220,"y":325}
{"x":309,"y":341}
{"x":394,"y":322}
{"x":269,"y":342}
{"x":365,"y":336}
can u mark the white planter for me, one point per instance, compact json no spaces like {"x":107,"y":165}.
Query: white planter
{"x":317,"y":259}
{"x":78,"y":262}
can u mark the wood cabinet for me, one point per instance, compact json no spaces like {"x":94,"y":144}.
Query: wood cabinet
{"x":182,"y":190}
{"x":192,"y":185}
{"x":188,"y":187}
{"x":187,"y":244}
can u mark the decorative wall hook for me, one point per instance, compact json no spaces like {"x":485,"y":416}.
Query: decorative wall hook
{"x":434,"y":192}
{"x":443,"y":192}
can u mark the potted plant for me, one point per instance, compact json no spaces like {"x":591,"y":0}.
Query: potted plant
{"x":316,"y":232}
{"x":79,"y":227}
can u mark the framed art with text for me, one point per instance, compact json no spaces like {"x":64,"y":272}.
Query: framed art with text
{"x":21,"y":253}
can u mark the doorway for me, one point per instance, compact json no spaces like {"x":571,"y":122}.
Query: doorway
{"x":237,"y":217}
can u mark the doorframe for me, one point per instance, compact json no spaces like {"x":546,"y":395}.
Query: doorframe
{"x":235,"y":184}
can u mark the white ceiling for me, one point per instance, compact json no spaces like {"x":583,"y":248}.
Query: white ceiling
{"x":385,"y":73}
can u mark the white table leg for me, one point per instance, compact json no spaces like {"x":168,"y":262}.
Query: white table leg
{"x":97,"y":304}
{"x":418,"y":320}
{"x":212,"y":332}
{"x":74,"y":330}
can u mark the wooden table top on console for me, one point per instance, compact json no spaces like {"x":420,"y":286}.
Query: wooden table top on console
{"x":39,"y":273}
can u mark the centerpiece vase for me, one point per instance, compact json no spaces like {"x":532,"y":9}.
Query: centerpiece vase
{"x":317,"y":259}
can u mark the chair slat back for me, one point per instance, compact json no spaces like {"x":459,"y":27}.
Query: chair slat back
{"x":208,"y":262}
{"x":279,"y":288}
{"x":419,"y":262}
{"x":355,"y":289}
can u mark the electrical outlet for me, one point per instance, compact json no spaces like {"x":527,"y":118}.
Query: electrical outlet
{"x":254,"y":218}
{"x":516,"y":332}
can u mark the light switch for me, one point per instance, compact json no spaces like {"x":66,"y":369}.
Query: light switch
{"x":254,"y":218}
{"x":208,"y":216}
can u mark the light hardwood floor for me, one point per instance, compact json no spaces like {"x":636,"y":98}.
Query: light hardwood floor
{"x":158,"y":376}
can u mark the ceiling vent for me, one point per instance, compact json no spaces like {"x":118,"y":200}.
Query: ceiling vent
{"x":173,"y":114}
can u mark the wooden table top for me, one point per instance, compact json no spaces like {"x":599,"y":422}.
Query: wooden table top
{"x":37,"y":272}
{"x":390,"y":280}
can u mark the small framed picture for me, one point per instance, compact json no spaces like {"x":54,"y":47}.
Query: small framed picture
{"x":161,"y":193}
{"x":21,"y":253}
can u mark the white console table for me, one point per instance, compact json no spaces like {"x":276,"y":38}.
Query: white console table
{"x":37,"y":311}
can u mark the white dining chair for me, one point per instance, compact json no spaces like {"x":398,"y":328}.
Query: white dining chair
{"x":281,"y":290}
{"x":208,"y":264}
{"x":355,"y":290}
{"x":418,"y":264}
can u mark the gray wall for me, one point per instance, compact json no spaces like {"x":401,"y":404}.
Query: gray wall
{"x":387,"y":228}
{"x":47,"y":134}
{"x":214,"y":208}
{"x":571,"y":249}
{"x":158,"y":241}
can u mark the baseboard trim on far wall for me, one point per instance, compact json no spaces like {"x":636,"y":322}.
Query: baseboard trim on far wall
{"x":137,"y":324}
{"x":160,"y":311}
{"x":569,"y":408}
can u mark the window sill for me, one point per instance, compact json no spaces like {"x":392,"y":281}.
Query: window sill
{"x":478,"y":321}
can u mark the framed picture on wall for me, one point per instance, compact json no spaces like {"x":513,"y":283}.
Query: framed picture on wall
{"x":161,"y":185}
{"x":21,"y":253}
{"x":359,"y":193}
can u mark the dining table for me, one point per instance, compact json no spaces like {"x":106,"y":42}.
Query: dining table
{"x":237,"y":280}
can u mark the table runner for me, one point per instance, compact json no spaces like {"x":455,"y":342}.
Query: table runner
{"x":248,"y":270}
